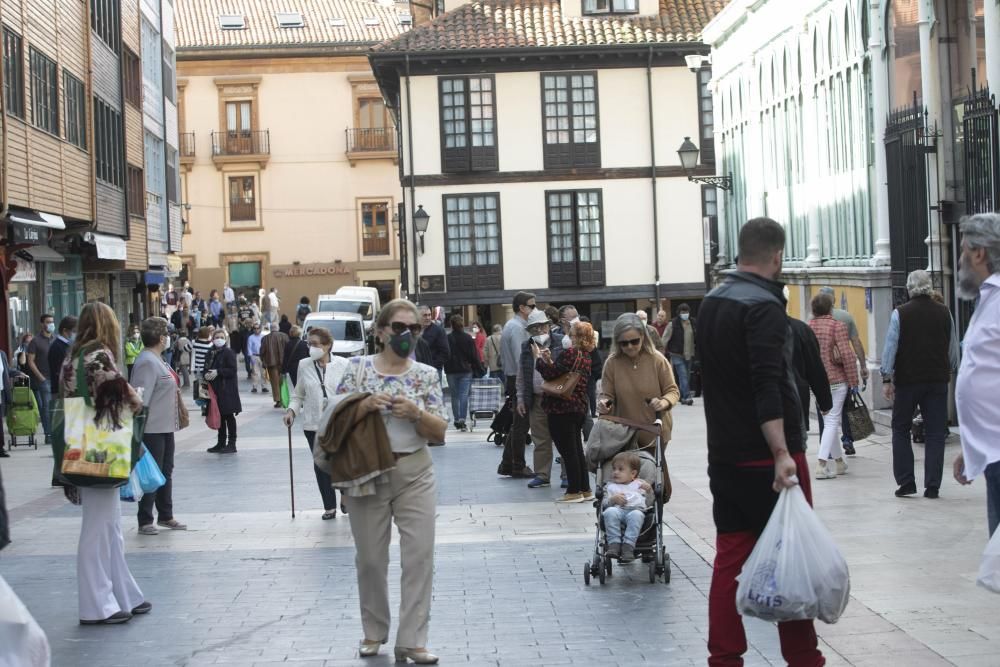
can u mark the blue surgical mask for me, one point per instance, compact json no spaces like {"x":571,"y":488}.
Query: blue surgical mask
{"x":685,"y":316}
{"x":50,"y":327}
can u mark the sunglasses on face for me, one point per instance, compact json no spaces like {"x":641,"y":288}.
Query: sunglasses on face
{"x":630,"y":342}
{"x":530,"y":306}
{"x":399,"y":327}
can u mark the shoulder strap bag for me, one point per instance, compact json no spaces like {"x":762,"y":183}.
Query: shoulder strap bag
{"x":562,"y":387}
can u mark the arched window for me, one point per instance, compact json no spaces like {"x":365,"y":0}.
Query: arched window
{"x":849,"y":47}
{"x":831,"y":46}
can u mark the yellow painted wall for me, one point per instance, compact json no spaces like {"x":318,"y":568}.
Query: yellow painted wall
{"x":855,"y":306}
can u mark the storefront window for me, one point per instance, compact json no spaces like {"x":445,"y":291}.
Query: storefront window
{"x":904,"y":41}
{"x":245,"y":277}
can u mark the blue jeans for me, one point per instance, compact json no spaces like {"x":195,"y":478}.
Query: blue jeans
{"x":932,"y":398}
{"x":460,"y":384}
{"x":43,"y":396}
{"x":682,"y":372}
{"x":992,"y":476}
{"x":196,"y":316}
{"x":615,"y":517}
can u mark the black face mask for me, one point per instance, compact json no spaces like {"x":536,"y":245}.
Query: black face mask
{"x":402,"y":344}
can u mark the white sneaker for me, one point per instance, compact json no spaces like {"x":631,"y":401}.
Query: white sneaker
{"x":824,"y":472}
{"x":841,"y":467}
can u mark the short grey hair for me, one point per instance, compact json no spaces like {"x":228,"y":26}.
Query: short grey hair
{"x":497,"y":329}
{"x":983,"y":231}
{"x":919,"y":283}
{"x":152,"y":330}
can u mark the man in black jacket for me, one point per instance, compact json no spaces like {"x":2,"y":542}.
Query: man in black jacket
{"x":809,"y":370}
{"x":437,"y":344}
{"x":754,"y":419}
{"x":58,"y":349}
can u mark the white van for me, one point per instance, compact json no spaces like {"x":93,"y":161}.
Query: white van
{"x":364,"y":301}
{"x":347,"y":329}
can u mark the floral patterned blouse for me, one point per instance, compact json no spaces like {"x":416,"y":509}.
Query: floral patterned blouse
{"x":419,"y":383}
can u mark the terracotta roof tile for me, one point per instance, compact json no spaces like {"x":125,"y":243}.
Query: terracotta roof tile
{"x":498,"y":24}
{"x":197,"y":23}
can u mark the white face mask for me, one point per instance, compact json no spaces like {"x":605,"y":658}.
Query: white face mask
{"x":566,"y":342}
{"x":219,"y":342}
{"x":541,"y":339}
{"x":475,"y":330}
{"x":685,"y":316}
{"x":316,"y":353}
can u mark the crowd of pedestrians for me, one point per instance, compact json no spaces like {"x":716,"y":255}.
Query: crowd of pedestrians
{"x":758,"y":369}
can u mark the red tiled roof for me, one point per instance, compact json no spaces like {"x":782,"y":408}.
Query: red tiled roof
{"x":499,"y":24}
{"x":197,"y":23}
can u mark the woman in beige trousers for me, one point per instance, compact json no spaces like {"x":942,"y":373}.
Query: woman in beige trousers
{"x":408,"y":395}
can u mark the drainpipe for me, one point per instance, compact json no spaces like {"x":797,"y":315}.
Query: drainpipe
{"x":3,"y":152}
{"x":652,"y":160}
{"x":90,"y":119}
{"x":413,"y":193}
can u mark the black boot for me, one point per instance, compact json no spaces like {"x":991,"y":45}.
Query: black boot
{"x":217,"y":449}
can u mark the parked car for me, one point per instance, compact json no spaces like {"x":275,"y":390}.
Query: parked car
{"x":351,"y":299}
{"x":348,"y":330}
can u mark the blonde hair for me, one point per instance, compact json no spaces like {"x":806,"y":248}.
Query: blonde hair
{"x":98,"y":323}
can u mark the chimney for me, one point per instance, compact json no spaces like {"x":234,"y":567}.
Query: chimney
{"x":422,"y":11}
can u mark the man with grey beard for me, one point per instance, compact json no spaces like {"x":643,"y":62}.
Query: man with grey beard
{"x":979,"y":375}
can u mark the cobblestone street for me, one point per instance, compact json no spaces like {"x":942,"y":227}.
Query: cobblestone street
{"x":248,"y":585}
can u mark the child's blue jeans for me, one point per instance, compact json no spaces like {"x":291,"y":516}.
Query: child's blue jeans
{"x":615,"y":517}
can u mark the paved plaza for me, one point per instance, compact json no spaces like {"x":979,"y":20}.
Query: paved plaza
{"x":249,"y":585}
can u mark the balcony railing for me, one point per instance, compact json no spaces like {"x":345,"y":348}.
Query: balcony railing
{"x":255,"y":142}
{"x":187,"y":144}
{"x":375,"y":245}
{"x":241,"y":211}
{"x":365,"y":139}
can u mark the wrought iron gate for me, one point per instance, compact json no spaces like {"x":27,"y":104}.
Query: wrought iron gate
{"x":981,"y":145}
{"x":982,"y":153}
{"x":907,"y":143}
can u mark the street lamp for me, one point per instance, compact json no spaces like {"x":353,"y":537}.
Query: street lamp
{"x":420,"y":220}
{"x":688,"y":154}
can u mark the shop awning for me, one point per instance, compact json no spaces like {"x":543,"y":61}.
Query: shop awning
{"x":37,"y":219}
{"x":108,"y":247}
{"x":43,"y":253}
{"x":154,"y":277}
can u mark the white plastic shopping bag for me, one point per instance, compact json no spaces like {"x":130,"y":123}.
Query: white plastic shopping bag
{"x":795,"y":572}
{"x":989,"y":568}
{"x":22,"y":642}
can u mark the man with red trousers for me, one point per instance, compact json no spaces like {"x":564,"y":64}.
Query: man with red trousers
{"x":755,"y":441}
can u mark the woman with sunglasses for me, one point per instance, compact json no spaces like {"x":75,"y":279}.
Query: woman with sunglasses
{"x":566,"y":415}
{"x":638,"y":382}
{"x":408,"y":396}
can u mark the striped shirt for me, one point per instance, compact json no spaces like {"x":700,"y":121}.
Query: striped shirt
{"x":201,"y":348}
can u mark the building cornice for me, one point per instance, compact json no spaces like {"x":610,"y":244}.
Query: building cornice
{"x":270,"y":51}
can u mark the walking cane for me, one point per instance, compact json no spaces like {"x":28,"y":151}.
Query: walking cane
{"x":291,"y":475}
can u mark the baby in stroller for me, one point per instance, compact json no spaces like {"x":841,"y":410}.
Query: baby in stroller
{"x":625,"y":500}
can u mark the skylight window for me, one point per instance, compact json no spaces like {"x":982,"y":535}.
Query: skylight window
{"x":289,"y":19}
{"x":371,"y":20}
{"x":232,"y":21}
{"x":337,"y":23}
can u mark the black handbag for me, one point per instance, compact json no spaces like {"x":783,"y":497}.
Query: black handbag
{"x":858,"y":417}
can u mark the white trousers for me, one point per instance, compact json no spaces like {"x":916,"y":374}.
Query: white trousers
{"x":105,"y":582}
{"x":409,"y":499}
{"x":830,"y":444}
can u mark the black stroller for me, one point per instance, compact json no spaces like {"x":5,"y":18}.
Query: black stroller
{"x":649,"y":546}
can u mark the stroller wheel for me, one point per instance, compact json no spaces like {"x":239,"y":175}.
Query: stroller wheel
{"x":601,"y":576}
{"x":666,"y":567}
{"x":586,"y":574}
{"x":607,"y":566}
{"x":652,"y":571}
